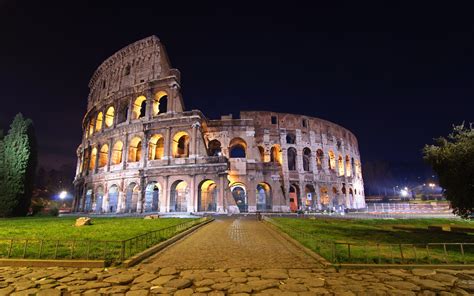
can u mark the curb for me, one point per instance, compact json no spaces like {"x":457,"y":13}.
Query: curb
{"x":52,"y":263}
{"x":156,"y":248}
{"x":297,"y":244}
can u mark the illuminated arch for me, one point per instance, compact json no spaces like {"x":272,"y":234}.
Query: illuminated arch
{"x":275,"y":154}
{"x":93,"y":158}
{"x":160,"y":103}
{"x":239,"y":193}
{"x":90,"y":128}
{"x":156,"y":147}
{"x":215,"y":148}
{"x":207,"y":196}
{"x":179,"y":196}
{"x":135,"y":150}
{"x":261,"y":151}
{"x":109,"y":117}
{"x":99,"y":121}
{"x":332,"y":160}
{"x":139,"y":108}
{"x":348,"y":166}
{"x":181,"y":145}
{"x":103,"y":155}
{"x":117,"y":151}
{"x":307,"y":159}
{"x":152,"y":197}
{"x":319,"y":159}
{"x":237,"y":148}
{"x":264,"y":197}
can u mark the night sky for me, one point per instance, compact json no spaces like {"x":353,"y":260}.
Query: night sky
{"x":395,"y":75}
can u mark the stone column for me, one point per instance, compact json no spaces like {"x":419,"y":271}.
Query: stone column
{"x":165,"y":204}
{"x":193,"y":196}
{"x":95,"y":169}
{"x":109,"y":156}
{"x":125,"y":153}
{"x":167,"y":143}
{"x":220,"y":194}
{"x":144,"y":159}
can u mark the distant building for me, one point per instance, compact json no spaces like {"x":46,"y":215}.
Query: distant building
{"x":143,"y":152}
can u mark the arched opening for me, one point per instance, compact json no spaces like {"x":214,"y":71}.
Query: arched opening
{"x":160,"y":103}
{"x":290,"y":138}
{"x":264,"y":197}
{"x":215,"y":148}
{"x":156,"y":147}
{"x":239,"y":193}
{"x":261,"y":151}
{"x":135,"y":150}
{"x":358,"y":169}
{"x":238,"y":148}
{"x":88,"y":201}
{"x":152,"y":197}
{"x":179,"y":196}
{"x":113,"y":198}
{"x":275,"y":154}
{"x":335,"y":193}
{"x":295,"y":198}
{"x":319,"y":159}
{"x":93,"y":159}
{"x":306,"y":159}
{"x":104,"y":156}
{"x":131,"y":198}
{"x":348,"y":166}
{"x":340,"y":165}
{"x":351,"y":197}
{"x":311,"y":200}
{"x":109,"y":117}
{"x":353,"y":166}
{"x":291,"y":159}
{"x":99,"y":121}
{"x":86,"y":160}
{"x":123,"y":113}
{"x":99,"y":199}
{"x":181,"y":145}
{"x":332,"y":160}
{"x":207,"y":196}
{"x":117,"y":153}
{"x":324,"y":197}
{"x":139,"y":108}
{"x":91,"y":127}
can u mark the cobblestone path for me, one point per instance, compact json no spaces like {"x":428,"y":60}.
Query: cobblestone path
{"x":250,"y":260}
{"x":234,"y":243}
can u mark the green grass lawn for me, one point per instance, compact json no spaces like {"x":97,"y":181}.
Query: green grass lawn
{"x":59,"y":238}
{"x":366,"y":234}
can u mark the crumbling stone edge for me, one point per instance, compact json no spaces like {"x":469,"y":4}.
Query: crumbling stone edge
{"x":156,"y":248}
{"x":52,"y":263}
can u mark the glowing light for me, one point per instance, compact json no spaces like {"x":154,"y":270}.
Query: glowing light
{"x":63,"y":195}
{"x":404,"y":193}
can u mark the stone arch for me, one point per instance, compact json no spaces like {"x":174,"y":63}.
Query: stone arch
{"x":261,"y":151}
{"x":132,"y":195}
{"x":89,"y":199}
{"x":292,"y":154}
{"x":160,"y":103}
{"x":99,"y":121}
{"x":332,"y":160}
{"x":179,"y":195}
{"x":340,"y":166}
{"x":113,"y":198}
{"x":295,"y":197}
{"x":310,"y":196}
{"x":99,"y":199}
{"x":135,"y":150}
{"x":103,"y":155}
{"x":152,"y":197}
{"x":325,"y":199}
{"x":207,"y":196}
{"x":239,"y":193}
{"x":122,"y":115}
{"x":307,"y":159}
{"x":319,"y":159}
{"x":348,"y":166}
{"x":109,"y":117}
{"x":139,"y":107}
{"x":181,"y":145}
{"x":156,"y":147}
{"x":275,"y":154}
{"x":264,"y":197}
{"x":215,"y":148}
{"x":90,"y":128}
{"x":92,"y":162}
{"x":117,"y":152}
{"x":237,"y":148}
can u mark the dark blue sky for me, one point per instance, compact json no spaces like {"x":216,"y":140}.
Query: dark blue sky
{"x":396,"y":75}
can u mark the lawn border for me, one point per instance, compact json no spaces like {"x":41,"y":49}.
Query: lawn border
{"x":52,"y":263}
{"x":156,"y":248}
{"x":297,"y":244}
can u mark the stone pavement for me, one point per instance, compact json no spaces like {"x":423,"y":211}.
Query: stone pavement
{"x":250,"y":265}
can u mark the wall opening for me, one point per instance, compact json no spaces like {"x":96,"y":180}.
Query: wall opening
{"x":238,"y":148}
{"x":117,"y":153}
{"x":207,"y":196}
{"x":179,"y":196}
{"x":292,"y":159}
{"x":135,"y":150}
{"x":156,"y":147}
{"x":239,"y":193}
{"x":215,"y":148}
{"x":264,"y":197}
{"x":181,"y":145}
{"x":152,"y":197}
{"x":109,"y":117}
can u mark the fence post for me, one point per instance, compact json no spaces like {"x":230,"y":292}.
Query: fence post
{"x":334,"y":259}
{"x":401,"y":252}
{"x":122,"y":252}
{"x":41,"y":249}
{"x":462,"y":254}
{"x":24,"y":248}
{"x":10,"y":248}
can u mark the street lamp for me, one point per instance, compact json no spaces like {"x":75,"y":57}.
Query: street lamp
{"x":63,"y":195}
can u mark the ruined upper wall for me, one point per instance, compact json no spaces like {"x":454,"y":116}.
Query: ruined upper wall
{"x":263,"y":120}
{"x":138,"y":63}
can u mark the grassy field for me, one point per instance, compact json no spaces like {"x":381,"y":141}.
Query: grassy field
{"x":394,"y":245}
{"x":49,"y":238}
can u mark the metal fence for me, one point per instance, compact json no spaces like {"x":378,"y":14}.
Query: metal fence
{"x":403,"y":253}
{"x":112,"y":251}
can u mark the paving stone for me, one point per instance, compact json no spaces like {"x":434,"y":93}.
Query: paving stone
{"x":235,"y":274}
{"x":314,"y":282}
{"x":141,"y":286}
{"x":20,"y":286}
{"x":162,"y":290}
{"x":85,"y":276}
{"x":423,"y":272}
{"x":216,"y":293}
{"x":430,"y":284}
{"x":398,"y":293}
{"x":179,"y":283}
{"x":240,"y":288}
{"x":203,"y":283}
{"x":168,"y":271}
{"x":293,"y":288}
{"x":146,"y":277}
{"x":29,"y":292}
{"x":121,"y":279}
{"x":445,"y":278}
{"x":7,"y":290}
{"x":49,"y":292}
{"x":460,"y":292}
{"x":138,"y":293}
{"x":279,"y":274}
{"x":222,"y":286}
{"x":239,"y":280}
{"x":203,"y":289}
{"x":263,"y":284}
{"x":114,"y":289}
{"x":215,"y":275}
{"x":160,"y":281}
{"x":403,"y":285}
{"x":467,"y":285}
{"x":184,"y":292}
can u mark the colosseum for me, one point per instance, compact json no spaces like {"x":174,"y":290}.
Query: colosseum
{"x":142,"y":151}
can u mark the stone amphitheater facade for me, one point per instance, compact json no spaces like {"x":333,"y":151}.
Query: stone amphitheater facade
{"x":141,"y":150}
